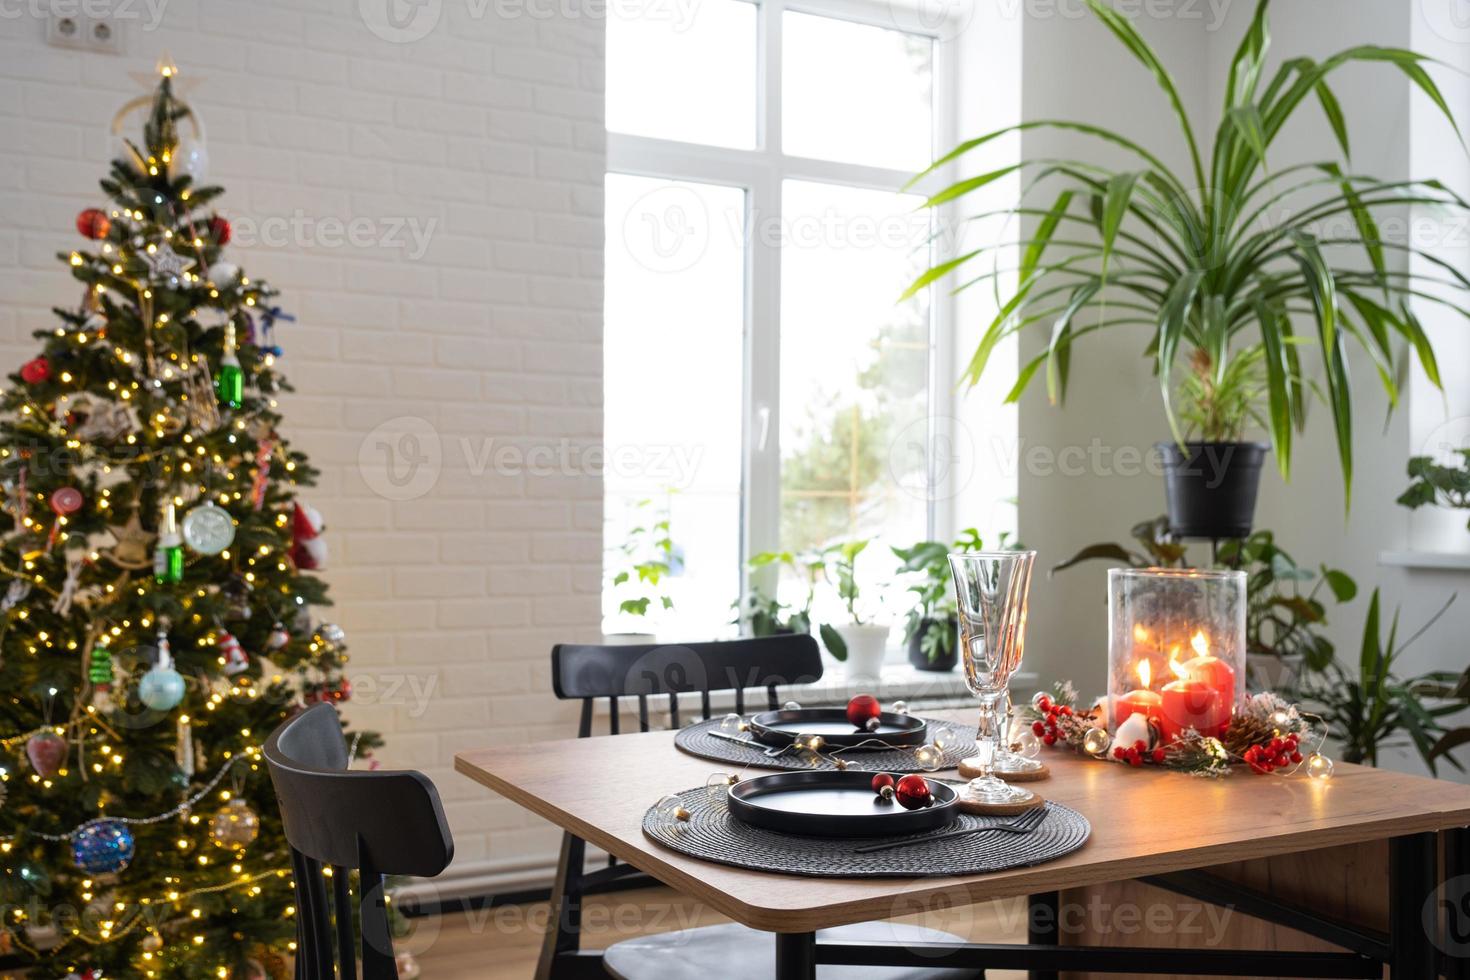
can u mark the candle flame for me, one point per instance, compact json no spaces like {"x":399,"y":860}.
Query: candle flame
{"x":1200,"y":642}
{"x":1178,"y":669}
{"x":1145,"y":673}
{"x":1140,"y":633}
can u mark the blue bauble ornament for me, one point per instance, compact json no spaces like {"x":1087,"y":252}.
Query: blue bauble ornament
{"x":102,"y":847}
{"x":162,"y":688}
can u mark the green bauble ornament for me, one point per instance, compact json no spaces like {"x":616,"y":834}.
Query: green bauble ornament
{"x":229,"y":381}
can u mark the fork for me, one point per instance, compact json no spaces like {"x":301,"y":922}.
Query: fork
{"x":1023,"y":824}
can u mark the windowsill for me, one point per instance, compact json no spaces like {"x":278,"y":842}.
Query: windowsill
{"x":899,"y":681}
{"x":1439,"y":560}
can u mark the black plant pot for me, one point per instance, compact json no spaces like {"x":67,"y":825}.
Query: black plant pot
{"x":1211,"y":487}
{"x":920,"y":660}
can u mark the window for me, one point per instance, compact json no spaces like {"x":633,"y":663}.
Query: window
{"x":765,"y":387}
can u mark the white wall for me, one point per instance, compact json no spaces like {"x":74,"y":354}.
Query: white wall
{"x":486,"y":129}
{"x":1074,"y":69}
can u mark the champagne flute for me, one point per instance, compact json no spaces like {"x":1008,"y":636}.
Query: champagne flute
{"x":991,"y":589}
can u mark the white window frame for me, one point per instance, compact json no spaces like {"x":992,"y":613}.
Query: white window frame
{"x":760,"y":173}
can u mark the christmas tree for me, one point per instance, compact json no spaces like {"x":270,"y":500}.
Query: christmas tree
{"x":155,"y":623}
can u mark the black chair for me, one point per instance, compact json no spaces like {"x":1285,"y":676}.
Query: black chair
{"x":645,"y":672}
{"x":376,"y":822}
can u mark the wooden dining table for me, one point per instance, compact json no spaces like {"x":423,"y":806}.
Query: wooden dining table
{"x":1355,"y":874}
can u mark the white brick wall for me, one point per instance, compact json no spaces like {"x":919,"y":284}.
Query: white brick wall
{"x":490,"y":127}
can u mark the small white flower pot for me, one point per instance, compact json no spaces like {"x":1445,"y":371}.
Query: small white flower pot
{"x":866,"y":646}
{"x":628,"y":639}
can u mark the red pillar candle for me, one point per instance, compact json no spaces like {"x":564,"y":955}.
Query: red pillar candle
{"x":1145,"y":703}
{"x":1191,"y":704}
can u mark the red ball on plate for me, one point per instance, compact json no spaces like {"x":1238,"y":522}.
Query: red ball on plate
{"x":913,"y":792}
{"x":93,"y":223}
{"x":880,"y":780}
{"x":220,"y":229}
{"x":861,"y":708}
{"x":66,"y":500}
{"x":36,"y":370}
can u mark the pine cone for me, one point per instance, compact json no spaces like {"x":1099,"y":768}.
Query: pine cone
{"x":1245,"y":731}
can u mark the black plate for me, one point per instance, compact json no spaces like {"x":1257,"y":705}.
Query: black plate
{"x":835,"y":804}
{"x":782,"y":727}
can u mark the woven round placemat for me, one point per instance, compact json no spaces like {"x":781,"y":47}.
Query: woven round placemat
{"x":713,"y":834}
{"x":697,"y":740}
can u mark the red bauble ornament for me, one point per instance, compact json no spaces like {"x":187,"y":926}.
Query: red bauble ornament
{"x":66,"y":500}
{"x":35,"y":371}
{"x":93,"y":223}
{"x":913,"y":792}
{"x":861,"y":708}
{"x":220,"y":229}
{"x":46,"y":751}
{"x":881,"y":780}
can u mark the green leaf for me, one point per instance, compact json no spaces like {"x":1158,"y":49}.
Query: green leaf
{"x":970,"y":184}
{"x":834,"y":642}
{"x":1115,"y":206}
{"x":1335,"y":119}
{"x":1172,"y":320}
{"x":1044,"y":232}
{"x":1278,"y":386}
{"x":937,"y":272}
{"x":1344,"y":588}
{"x":1245,"y":67}
{"x":1449,"y":741}
{"x":1247,"y":121}
{"x":1135,"y":43}
{"x":1370,"y":659}
{"x":1107,"y":551}
{"x":1059,"y":350}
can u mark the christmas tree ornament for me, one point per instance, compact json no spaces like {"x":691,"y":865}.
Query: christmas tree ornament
{"x":184,"y":755}
{"x":15,"y":594}
{"x":102,"y":846}
{"x":208,"y":528}
{"x":278,"y":638}
{"x":268,"y":319}
{"x":190,"y":158}
{"x":133,"y":544}
{"x":46,"y":752}
{"x":152,"y":943}
{"x":237,"y":592}
{"x":168,"y":555}
{"x":332,"y":633}
{"x":261,"y":480}
{"x":219,"y":229}
{"x":66,"y":500}
{"x":229,"y":380}
{"x":928,"y":757}
{"x":162,"y":688}
{"x":99,"y":668}
{"x":861,"y":709}
{"x":308,"y":547}
{"x":93,"y":223}
{"x":236,"y":660}
{"x":201,"y":399}
{"x":36,"y":371}
{"x":164,"y":263}
{"x":881,"y":780}
{"x":1319,"y":766}
{"x":235,"y":825}
{"x":912,"y":792}
{"x":224,"y":274}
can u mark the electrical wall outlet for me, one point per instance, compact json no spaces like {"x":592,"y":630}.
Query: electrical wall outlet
{"x":84,"y":31}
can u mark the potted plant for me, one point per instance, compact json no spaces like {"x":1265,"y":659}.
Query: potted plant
{"x":764,"y":614}
{"x":648,"y":556}
{"x":1214,"y":263}
{"x":861,"y":645}
{"x":932,"y":625}
{"x":1437,"y":482}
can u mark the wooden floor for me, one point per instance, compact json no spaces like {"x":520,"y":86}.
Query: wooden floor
{"x":502,"y":943}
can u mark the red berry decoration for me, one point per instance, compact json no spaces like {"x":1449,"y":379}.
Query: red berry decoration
{"x":93,"y":223}
{"x":881,"y":780}
{"x":1159,"y":756}
{"x":220,"y":229}
{"x":35,"y":371}
{"x":1038,"y":728}
{"x":913,"y":792}
{"x":861,"y":708}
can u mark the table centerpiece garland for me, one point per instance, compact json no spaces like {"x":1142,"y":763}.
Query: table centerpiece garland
{"x":1268,"y":736}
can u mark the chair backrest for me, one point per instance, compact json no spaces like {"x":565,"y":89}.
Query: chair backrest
{"x":376,"y":822}
{"x":591,"y":671}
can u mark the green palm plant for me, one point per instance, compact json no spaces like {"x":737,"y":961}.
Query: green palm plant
{"x":1197,"y":258}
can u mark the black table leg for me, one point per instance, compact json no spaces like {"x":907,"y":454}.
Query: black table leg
{"x":1042,"y":927}
{"x":796,"y":955}
{"x":1412,"y":865}
{"x":1453,"y":905}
